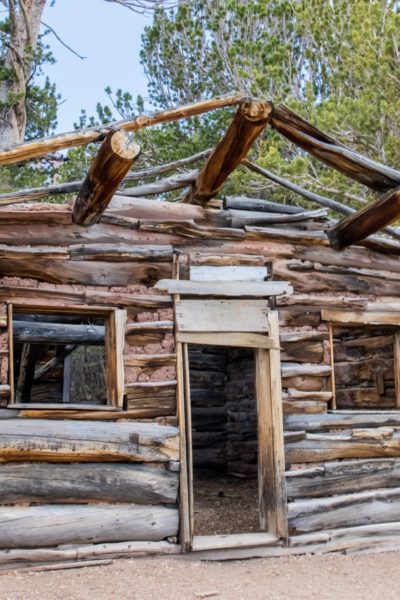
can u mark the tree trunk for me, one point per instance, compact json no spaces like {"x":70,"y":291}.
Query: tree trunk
{"x":25,"y":17}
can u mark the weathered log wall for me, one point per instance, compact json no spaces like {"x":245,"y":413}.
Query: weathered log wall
{"x":342,"y":470}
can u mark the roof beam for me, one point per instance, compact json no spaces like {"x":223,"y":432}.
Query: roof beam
{"x":363,"y":223}
{"x":82,"y":137}
{"x":248,"y":122}
{"x":364,"y":170}
{"x":109,"y":167}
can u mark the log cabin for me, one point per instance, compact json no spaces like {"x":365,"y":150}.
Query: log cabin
{"x":207,"y":378}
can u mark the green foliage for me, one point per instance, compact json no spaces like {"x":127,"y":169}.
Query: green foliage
{"x":336,"y":63}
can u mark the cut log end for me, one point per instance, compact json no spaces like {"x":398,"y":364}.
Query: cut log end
{"x":122,"y":145}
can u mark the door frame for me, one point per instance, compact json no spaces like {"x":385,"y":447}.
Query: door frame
{"x":271,"y":457}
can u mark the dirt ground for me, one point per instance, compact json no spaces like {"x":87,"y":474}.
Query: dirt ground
{"x":224,"y":504}
{"x":365,"y":577}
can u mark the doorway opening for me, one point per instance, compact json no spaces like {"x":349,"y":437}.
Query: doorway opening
{"x":224,"y":440}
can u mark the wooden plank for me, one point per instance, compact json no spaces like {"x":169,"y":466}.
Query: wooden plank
{"x":10,"y":336}
{"x":74,"y":441}
{"x":74,"y":524}
{"x":190,"y":229}
{"x":271,"y":458}
{"x":301,"y":369}
{"x":248,"y":122}
{"x":332,"y":361}
{"x":344,"y":420}
{"x":241,"y":540}
{"x":221,"y":288}
{"x":189,"y":438}
{"x":114,"y":348}
{"x":361,"y":317}
{"x":86,"y":482}
{"x":219,"y":260}
{"x":149,"y":361}
{"x":228,"y":273}
{"x":222,"y":315}
{"x":240,"y":340}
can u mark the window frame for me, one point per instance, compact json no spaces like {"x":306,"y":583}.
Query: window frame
{"x":114,"y":322}
{"x":372,"y":318}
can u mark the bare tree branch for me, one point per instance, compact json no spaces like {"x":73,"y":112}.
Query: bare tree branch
{"x":62,"y":41}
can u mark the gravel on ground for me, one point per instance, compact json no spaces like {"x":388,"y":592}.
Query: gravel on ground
{"x":334,"y":577}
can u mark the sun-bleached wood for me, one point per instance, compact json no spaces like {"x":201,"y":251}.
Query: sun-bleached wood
{"x":240,"y":339}
{"x":73,"y":441}
{"x":222,"y":288}
{"x":228,"y":273}
{"x":222,"y":315}
{"x":249,"y":121}
{"x":112,"y":162}
{"x":68,"y":524}
{"x":361,"y":317}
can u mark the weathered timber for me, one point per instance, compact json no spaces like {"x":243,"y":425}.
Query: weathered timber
{"x":57,"y":333}
{"x":287,"y":235}
{"x":149,"y":360}
{"x":88,"y":273}
{"x":242,"y":540}
{"x":374,"y":241}
{"x":239,"y":339}
{"x":83,"y":137}
{"x":64,"y":441}
{"x":363,"y":317}
{"x":28,"y":252}
{"x":220,"y":260}
{"x":333,"y":446}
{"x":68,"y":524}
{"x":223,"y":288}
{"x":150,"y":388}
{"x":151,"y":406}
{"x":174,"y":182}
{"x":332,"y":478}
{"x":222,"y":315}
{"x":190,"y":229}
{"x":111,"y":163}
{"x":228,"y":273}
{"x":242,"y":203}
{"x":300,"y":132}
{"x":53,"y":362}
{"x":241,"y":218}
{"x":300,"y":407}
{"x":304,"y":351}
{"x":121,"y":253}
{"x":37,"y":296}
{"x":249,"y":121}
{"x":366,"y":221}
{"x":149,"y":332}
{"x":344,"y":421}
{"x":301,"y":369}
{"x":359,"y":508}
{"x":4,"y":390}
{"x":86,"y":482}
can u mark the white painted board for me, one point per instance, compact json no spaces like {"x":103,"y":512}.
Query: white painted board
{"x":228,"y":273}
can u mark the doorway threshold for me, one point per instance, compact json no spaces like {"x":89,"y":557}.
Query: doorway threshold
{"x":239,"y":540}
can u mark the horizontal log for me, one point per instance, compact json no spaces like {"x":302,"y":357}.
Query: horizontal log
{"x":39,"y":296}
{"x":333,"y":446}
{"x":344,"y":421}
{"x":86,"y":482}
{"x":286,"y":235}
{"x":57,"y":333}
{"x":219,"y":260}
{"x":350,"y":510}
{"x":149,"y":332}
{"x":88,"y":273}
{"x":121,"y":253}
{"x":361,"y":318}
{"x":332,"y":478}
{"x":243,"y":203}
{"x":64,"y":441}
{"x":74,"y":524}
{"x":4,"y":390}
{"x":150,"y":388}
{"x":176,"y":181}
{"x":190,"y":229}
{"x":240,"y":339}
{"x":242,"y":218}
{"x":300,"y":407}
{"x":301,"y":369}
{"x":228,"y":273}
{"x":223,"y":288}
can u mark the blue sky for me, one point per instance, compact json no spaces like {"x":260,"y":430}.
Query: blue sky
{"x":109,"y":36}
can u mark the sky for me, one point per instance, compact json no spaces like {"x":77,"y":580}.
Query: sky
{"x":108,"y":36}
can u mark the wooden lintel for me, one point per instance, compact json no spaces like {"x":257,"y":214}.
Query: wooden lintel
{"x":111,"y":164}
{"x":249,"y":121}
{"x":366,"y":221}
{"x":368,"y":172}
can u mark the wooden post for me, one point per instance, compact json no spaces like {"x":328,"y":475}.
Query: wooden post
{"x":396,"y":357}
{"x":271,"y":452}
{"x":111,"y":164}
{"x":333,"y":385}
{"x":366,"y":221}
{"x":249,"y":121}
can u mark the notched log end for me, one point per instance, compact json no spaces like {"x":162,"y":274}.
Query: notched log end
{"x":254,"y":110}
